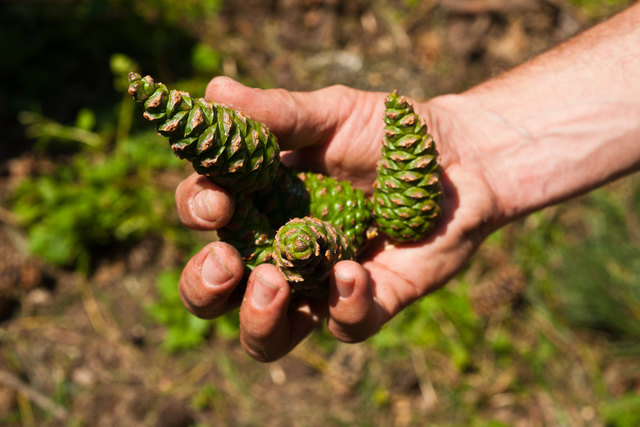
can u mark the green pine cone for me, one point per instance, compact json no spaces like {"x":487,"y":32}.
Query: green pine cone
{"x":249,"y":232}
{"x":231,"y":149}
{"x":286,"y":198}
{"x":345,"y":207}
{"x":408,"y":192}
{"x":305,"y":250}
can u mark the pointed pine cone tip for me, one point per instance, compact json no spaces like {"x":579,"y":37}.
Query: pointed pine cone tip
{"x":133,"y":76}
{"x":301,"y":244}
{"x":137,"y":86}
{"x":134,"y":83}
{"x":392,"y":96}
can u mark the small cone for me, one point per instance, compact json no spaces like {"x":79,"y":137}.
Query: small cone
{"x":346,"y":208}
{"x":305,"y":251}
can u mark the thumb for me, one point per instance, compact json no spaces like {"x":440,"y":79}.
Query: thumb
{"x":298,"y":119}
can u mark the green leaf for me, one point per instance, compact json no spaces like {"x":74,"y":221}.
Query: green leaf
{"x":205,"y":59}
{"x":86,"y":119}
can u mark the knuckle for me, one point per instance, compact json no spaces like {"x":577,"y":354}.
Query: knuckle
{"x":348,"y":335}
{"x":258,"y":351}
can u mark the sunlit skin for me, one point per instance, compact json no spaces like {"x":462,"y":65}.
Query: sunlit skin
{"x":558,"y":126}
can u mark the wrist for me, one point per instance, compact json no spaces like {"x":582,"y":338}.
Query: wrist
{"x":542,"y":157}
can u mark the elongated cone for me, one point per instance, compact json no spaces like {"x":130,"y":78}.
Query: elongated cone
{"x":346,"y":208}
{"x":305,"y":251}
{"x":231,"y":149}
{"x":408,"y":192}
{"x":249,"y":232}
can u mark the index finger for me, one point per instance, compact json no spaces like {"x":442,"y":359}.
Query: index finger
{"x":298,"y":119}
{"x":202,"y":205}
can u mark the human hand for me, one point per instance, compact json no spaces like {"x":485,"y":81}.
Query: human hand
{"x":337,"y":131}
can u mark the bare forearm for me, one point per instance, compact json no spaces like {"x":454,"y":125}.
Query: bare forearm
{"x":561,"y":124}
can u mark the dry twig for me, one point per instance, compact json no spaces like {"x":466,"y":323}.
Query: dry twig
{"x":10,"y":380}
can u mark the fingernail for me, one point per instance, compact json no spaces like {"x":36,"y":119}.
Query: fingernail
{"x":202,"y":203}
{"x":214,"y":271}
{"x":263,"y":292}
{"x":344,"y":285}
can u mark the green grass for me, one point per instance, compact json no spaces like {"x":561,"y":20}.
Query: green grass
{"x":599,"y":9}
{"x":96,"y":201}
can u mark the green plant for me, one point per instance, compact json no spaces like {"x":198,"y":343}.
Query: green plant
{"x":49,"y":133}
{"x":182,"y":12}
{"x":598,"y":9}
{"x":95,"y":202}
{"x":597,"y":284}
{"x":206,"y":397}
{"x":184,"y":330}
{"x":622,"y":412}
{"x":102,"y":193}
{"x":443,"y":321}
{"x":206,"y":60}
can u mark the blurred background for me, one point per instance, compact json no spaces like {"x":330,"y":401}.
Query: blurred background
{"x":542,"y":328}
